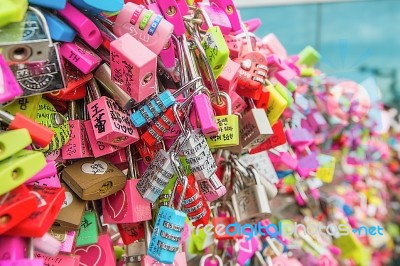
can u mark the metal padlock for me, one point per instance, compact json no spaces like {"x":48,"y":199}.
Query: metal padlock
{"x":93,"y":179}
{"x":70,"y":216}
{"x":127,"y":205}
{"x":212,"y":188}
{"x":10,"y":205}
{"x":100,"y":253}
{"x":49,"y":202}
{"x":228,"y":126}
{"x":78,"y":145}
{"x":32,"y":56}
{"x":89,"y":228}
{"x":168,"y":227}
{"x":110,"y":123}
{"x":251,"y":203}
{"x":254,"y":127}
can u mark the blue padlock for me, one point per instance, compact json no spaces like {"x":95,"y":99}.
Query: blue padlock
{"x":57,"y":5}
{"x":59,"y":30}
{"x":98,"y":6}
{"x":169,"y":224}
{"x":151,"y":109}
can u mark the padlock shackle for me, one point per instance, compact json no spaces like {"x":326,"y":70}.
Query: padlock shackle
{"x":181,"y":179}
{"x":44,"y":23}
{"x":72,"y":112}
{"x":93,"y":89}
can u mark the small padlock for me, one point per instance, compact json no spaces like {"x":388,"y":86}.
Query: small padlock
{"x":150,"y":29}
{"x":205,"y":114}
{"x":277,"y":139}
{"x":48,"y":171}
{"x":127,"y":205}
{"x":93,"y":179}
{"x":28,"y":106}
{"x":49,"y":202}
{"x":230,"y":10}
{"x":172,"y":13}
{"x":212,"y":188}
{"x":59,"y":30}
{"x":133,"y":71}
{"x":229,"y":77}
{"x":100,"y":253}
{"x":78,"y":145}
{"x":251,"y":203}
{"x":111,"y":124}
{"x":10,"y":205}
{"x":70,"y":216}
{"x":276,"y":104}
{"x":228,"y":127}
{"x":31,"y":55}
{"x":217,"y":18}
{"x":47,"y":244}
{"x":88,"y":233}
{"x":254,"y":127}
{"x":131,"y":232}
{"x":12,"y":12}
{"x":85,"y":28}
{"x":67,"y":240}
{"x":18,"y":168}
{"x":227,"y":217}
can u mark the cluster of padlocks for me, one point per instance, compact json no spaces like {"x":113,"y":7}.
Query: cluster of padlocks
{"x":132,"y":132}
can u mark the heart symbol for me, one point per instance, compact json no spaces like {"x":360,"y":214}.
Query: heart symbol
{"x":247,"y":249}
{"x":91,"y":258}
{"x":116,"y":205}
{"x":246,"y":64}
{"x":96,"y":168}
{"x":68,"y":199}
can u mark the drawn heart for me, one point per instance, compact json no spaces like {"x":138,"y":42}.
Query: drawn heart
{"x":91,"y":256}
{"x":68,"y":199}
{"x":116,"y":205}
{"x":96,"y":168}
{"x":247,"y":248}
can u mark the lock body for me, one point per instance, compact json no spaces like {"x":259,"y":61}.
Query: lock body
{"x":133,"y":70}
{"x":101,"y":253}
{"x":78,"y":145}
{"x":228,"y":132}
{"x":88,"y":233}
{"x":80,"y":56}
{"x":254,"y":128}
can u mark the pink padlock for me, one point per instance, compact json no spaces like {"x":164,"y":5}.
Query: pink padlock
{"x":205,"y":114}
{"x":298,"y":136}
{"x":127,"y":205}
{"x":238,"y":103}
{"x":285,"y":75}
{"x":217,"y":18}
{"x":307,"y":164}
{"x":12,"y":248}
{"x":99,"y":254}
{"x":99,"y":148}
{"x":111,"y":124}
{"x":67,"y":240}
{"x":86,"y":29}
{"x":274,"y":46}
{"x":180,"y":259}
{"x":26,"y":247}
{"x":229,"y":77}
{"x":78,"y":145}
{"x":117,"y":157}
{"x":9,"y":86}
{"x":80,"y":56}
{"x":156,"y":31}
{"x":247,"y":249}
{"x":47,"y":244}
{"x":252,"y":25}
{"x":283,"y":161}
{"x":167,"y":55}
{"x":212,"y":188}
{"x":230,"y":10}
{"x":53,"y":181}
{"x":60,"y":260}
{"x":134,"y":70}
{"x":235,"y":46}
{"x":48,"y":171}
{"x":172,"y":13}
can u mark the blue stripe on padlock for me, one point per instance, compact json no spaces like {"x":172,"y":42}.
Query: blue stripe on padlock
{"x":98,"y":6}
{"x":166,"y":98}
{"x":51,"y":4}
{"x":154,"y":25}
{"x":59,"y":30}
{"x":168,"y":220}
{"x":282,"y":174}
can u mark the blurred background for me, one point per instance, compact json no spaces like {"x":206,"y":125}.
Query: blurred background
{"x":357,"y":39}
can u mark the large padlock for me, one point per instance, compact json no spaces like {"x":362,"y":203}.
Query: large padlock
{"x":32,"y":56}
{"x":11,"y":205}
{"x":251,"y":203}
{"x":228,"y":127}
{"x":127,"y":205}
{"x":70,"y":216}
{"x":254,"y":127}
{"x":169,"y":225}
{"x":93,"y":179}
{"x":49,"y":202}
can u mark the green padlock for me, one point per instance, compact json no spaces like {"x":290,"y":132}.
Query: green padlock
{"x":28,"y":106}
{"x":9,"y":145}
{"x":284,"y":92}
{"x":228,"y":128}
{"x":48,"y":116}
{"x":308,"y":56}
{"x":18,"y":168}
{"x":214,"y":45}
{"x":88,"y":231}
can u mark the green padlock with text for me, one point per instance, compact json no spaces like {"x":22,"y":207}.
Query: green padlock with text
{"x":88,"y":231}
{"x":228,"y":128}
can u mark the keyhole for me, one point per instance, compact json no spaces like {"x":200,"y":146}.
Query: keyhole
{"x":5,"y":218}
{"x":20,"y":53}
{"x":171,"y":11}
{"x":147,"y":78}
{"x":229,"y":9}
{"x":16,"y":173}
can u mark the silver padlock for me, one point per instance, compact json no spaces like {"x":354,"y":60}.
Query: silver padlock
{"x":32,"y":56}
{"x":250,"y":202}
{"x":134,"y":253}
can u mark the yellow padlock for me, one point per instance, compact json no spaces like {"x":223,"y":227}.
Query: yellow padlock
{"x":276,"y":104}
{"x":228,"y":128}
{"x":28,"y":106}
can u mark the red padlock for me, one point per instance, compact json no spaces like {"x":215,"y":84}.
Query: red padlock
{"x":277,"y":139}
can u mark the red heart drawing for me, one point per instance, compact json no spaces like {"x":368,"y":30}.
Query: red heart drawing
{"x":91,"y":256}
{"x":116,"y":205}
